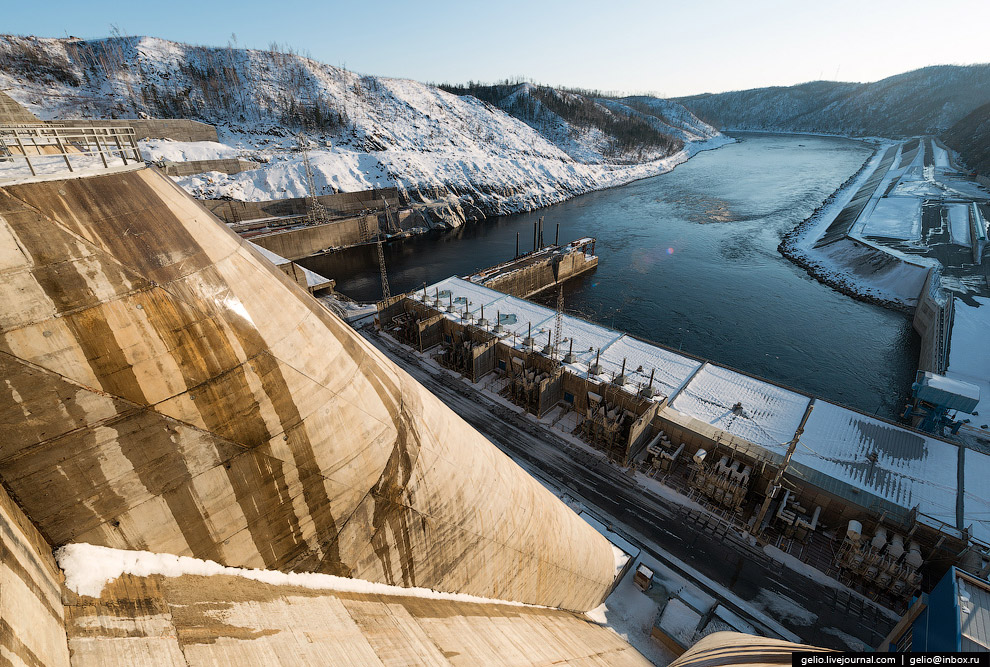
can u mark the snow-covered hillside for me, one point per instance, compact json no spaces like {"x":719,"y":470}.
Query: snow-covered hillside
{"x":363,"y":131}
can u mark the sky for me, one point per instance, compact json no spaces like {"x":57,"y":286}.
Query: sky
{"x":636,"y":46}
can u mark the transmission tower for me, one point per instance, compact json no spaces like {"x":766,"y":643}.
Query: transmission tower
{"x":558,"y":324}
{"x":386,"y":293}
{"x":316,"y":213}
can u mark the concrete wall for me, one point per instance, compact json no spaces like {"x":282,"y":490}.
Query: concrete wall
{"x":227,"y":166}
{"x":305,"y":241}
{"x":733,"y":648}
{"x":344,"y":203}
{"x":538,"y":276}
{"x":186,"y":397}
{"x":12,"y":112}
{"x":933,"y":322}
{"x":193,"y":621}
{"x":155,"y":128}
{"x":32,"y":620}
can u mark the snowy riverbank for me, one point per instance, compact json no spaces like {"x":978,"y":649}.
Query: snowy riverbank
{"x":474,"y":184}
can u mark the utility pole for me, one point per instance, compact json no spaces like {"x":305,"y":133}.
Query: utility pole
{"x":774,"y":485}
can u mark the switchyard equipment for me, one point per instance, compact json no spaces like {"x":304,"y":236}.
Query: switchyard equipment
{"x":883,"y":564}
{"x":607,"y":425}
{"x":813,"y":465}
{"x":724,"y":483}
{"x":935,"y":396}
{"x":661,"y":452}
{"x":793,"y":518}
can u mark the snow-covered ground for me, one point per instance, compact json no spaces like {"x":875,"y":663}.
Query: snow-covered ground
{"x":969,"y":357}
{"x":895,"y":217}
{"x":857,"y":263}
{"x":959,"y":223}
{"x":376,"y":132}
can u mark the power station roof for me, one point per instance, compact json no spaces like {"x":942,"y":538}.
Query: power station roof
{"x":906,"y":468}
{"x":767,"y":415}
{"x":868,"y":461}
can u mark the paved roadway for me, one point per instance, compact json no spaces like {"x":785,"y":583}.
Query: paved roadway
{"x":655,"y":524}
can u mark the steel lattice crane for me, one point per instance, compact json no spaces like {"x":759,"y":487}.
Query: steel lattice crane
{"x":558,"y":324}
{"x":386,"y":293}
{"x":316,"y":212}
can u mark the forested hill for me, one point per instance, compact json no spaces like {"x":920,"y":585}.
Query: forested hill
{"x":592,"y":126}
{"x":362,"y":131}
{"x":924,"y":101}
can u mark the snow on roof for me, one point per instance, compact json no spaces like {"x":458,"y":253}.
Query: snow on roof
{"x":475,"y":294}
{"x":588,"y":338}
{"x":952,"y":386}
{"x":968,"y":350}
{"x":903,"y":467}
{"x":313,"y":279}
{"x":672,"y":369}
{"x":769,"y":416}
{"x":911,"y":469}
{"x":679,"y":622}
{"x":969,"y":358}
{"x":277,"y":260}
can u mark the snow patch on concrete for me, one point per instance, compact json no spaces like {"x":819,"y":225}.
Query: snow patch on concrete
{"x":781,"y":607}
{"x":88,"y":568}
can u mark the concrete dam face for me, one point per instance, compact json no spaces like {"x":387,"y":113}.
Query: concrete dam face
{"x":166,"y":389}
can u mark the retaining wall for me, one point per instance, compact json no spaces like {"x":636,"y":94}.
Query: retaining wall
{"x":227,"y":166}
{"x":344,"y":203}
{"x":306,"y":241}
{"x":154,"y":128}
{"x":545,"y":273}
{"x":12,"y":112}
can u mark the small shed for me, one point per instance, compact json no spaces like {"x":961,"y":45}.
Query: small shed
{"x":643,"y":578}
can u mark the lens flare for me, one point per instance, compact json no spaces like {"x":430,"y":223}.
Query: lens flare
{"x":670,"y":251}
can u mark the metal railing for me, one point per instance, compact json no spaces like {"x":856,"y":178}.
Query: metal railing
{"x":52,"y":149}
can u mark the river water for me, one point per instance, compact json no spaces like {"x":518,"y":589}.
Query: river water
{"x":689,"y":259}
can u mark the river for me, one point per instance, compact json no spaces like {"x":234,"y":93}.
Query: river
{"x":689,"y":259}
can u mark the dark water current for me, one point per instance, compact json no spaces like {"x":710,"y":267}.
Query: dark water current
{"x":689,"y":259}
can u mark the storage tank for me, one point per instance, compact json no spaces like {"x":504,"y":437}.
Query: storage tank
{"x":699,"y":456}
{"x":913,"y":557}
{"x":896,"y":547}
{"x":879,"y":538}
{"x":854,"y":532}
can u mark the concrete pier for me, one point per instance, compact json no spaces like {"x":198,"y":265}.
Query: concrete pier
{"x":536,"y":271}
